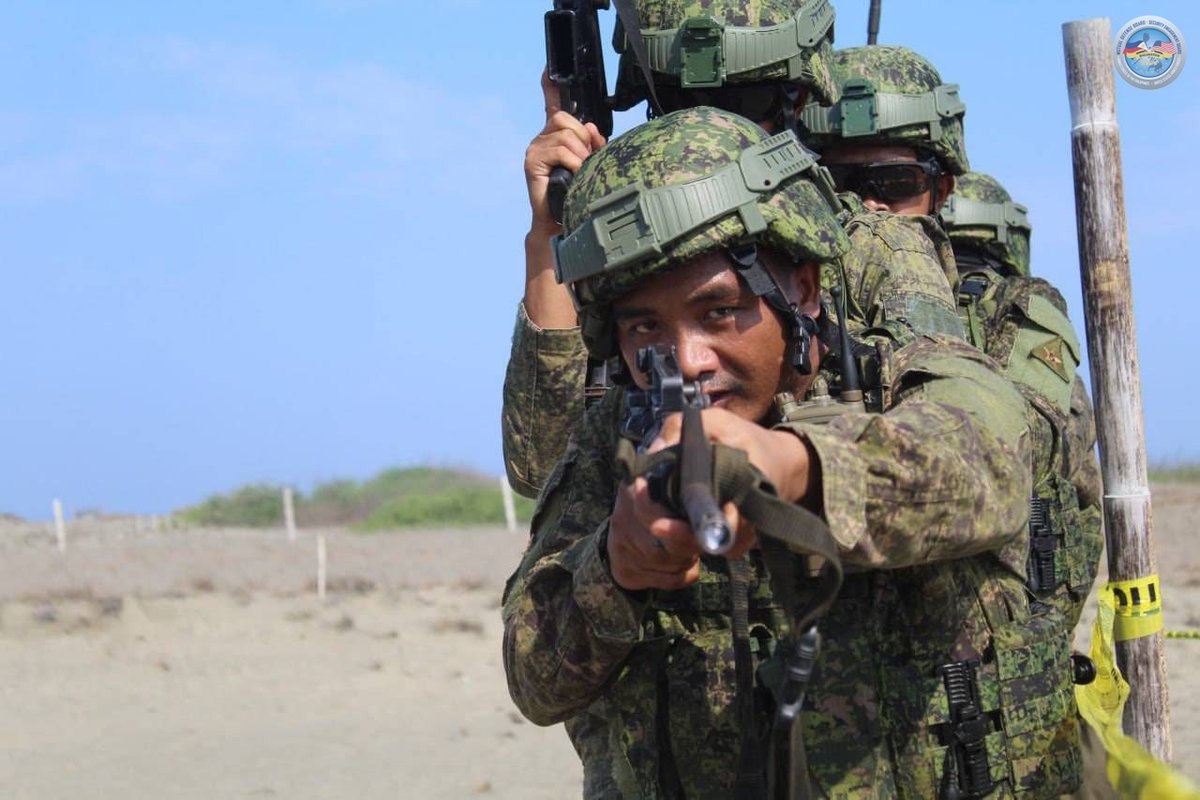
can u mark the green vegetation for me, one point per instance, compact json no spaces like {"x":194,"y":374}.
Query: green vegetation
{"x":255,"y":506}
{"x":1175,"y":473}
{"x":395,"y":498}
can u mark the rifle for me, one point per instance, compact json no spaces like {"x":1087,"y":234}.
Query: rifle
{"x":687,"y":489}
{"x":575,"y":63}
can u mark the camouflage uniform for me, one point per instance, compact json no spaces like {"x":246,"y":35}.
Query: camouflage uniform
{"x":1022,"y":322}
{"x":897,"y":267}
{"x":907,"y":101}
{"x":893,"y":96}
{"x":927,"y":501}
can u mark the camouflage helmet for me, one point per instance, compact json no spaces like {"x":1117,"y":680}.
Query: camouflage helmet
{"x":981,"y":215}
{"x":681,"y":186}
{"x":890,"y":95}
{"x":708,"y":44}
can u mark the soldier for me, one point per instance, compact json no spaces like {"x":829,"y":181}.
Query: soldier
{"x":902,"y":267}
{"x":938,"y":677}
{"x":896,"y":139}
{"x":1022,"y":322}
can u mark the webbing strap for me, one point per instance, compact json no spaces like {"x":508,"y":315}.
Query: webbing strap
{"x":802,"y":532}
{"x":635,"y":223}
{"x":961,"y":212}
{"x":785,"y":532}
{"x":633,"y":33}
{"x":750,"y":784}
{"x":742,"y":49}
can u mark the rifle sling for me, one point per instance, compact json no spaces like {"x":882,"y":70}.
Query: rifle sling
{"x":802,"y":532}
{"x":633,"y":32}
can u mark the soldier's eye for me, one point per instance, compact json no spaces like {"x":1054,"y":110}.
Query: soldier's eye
{"x":643,"y":328}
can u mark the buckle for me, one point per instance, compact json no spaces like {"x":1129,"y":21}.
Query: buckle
{"x":1043,"y":543}
{"x":965,"y":735}
{"x":700,"y":53}
{"x":859,"y":114}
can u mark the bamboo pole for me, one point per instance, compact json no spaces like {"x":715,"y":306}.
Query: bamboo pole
{"x":1112,"y":349}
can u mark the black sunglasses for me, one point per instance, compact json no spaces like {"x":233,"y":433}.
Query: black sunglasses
{"x":886,"y":181}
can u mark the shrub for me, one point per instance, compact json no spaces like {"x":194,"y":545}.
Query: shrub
{"x":258,"y":505}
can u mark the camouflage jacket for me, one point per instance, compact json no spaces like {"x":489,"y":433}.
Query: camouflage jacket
{"x":897,"y":268}
{"x":1022,"y":323}
{"x":928,"y":502}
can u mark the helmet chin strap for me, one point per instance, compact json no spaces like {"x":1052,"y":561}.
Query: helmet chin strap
{"x":801,"y":327}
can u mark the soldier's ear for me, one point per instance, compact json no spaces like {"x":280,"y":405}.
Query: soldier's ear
{"x":805,"y":288}
{"x":945,"y":189}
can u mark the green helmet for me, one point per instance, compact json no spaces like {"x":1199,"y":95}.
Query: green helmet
{"x":710,"y":44}
{"x":981,"y":215}
{"x":678,"y":187}
{"x":891,"y":95}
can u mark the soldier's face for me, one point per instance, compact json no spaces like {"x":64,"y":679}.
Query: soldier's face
{"x":724,"y":335}
{"x":916,"y":203}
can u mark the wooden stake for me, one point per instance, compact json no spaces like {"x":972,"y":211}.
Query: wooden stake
{"x":60,"y":528}
{"x":321,"y":566}
{"x":510,"y":510}
{"x":1112,"y":349}
{"x":289,"y":514}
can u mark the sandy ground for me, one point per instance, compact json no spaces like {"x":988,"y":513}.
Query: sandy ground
{"x":150,"y":663}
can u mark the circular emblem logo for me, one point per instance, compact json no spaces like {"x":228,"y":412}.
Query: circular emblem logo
{"x":1150,"y":52}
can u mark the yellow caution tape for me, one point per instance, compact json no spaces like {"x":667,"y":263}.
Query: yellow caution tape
{"x":1132,"y":771}
{"x":1138,"y":607}
{"x":1182,"y":634}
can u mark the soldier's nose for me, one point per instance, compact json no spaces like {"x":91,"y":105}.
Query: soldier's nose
{"x":697,"y":360}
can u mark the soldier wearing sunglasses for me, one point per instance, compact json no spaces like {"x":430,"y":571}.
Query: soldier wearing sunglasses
{"x":895,"y":138}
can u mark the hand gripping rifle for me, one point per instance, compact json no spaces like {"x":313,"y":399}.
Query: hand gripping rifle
{"x":772,"y":763}
{"x":575,"y":63}
{"x":688,"y":489}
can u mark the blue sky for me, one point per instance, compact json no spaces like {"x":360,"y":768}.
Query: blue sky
{"x":282,"y":240}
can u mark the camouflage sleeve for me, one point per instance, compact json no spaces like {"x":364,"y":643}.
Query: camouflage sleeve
{"x":895,"y":270}
{"x":589,"y":732}
{"x":543,"y":398}
{"x":943,"y":474}
{"x":1081,"y":428}
{"x":567,"y":625}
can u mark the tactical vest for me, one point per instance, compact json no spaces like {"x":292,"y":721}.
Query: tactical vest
{"x":934,"y":681}
{"x":1021,"y":322}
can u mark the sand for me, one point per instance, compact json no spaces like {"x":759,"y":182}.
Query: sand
{"x":147,"y":663}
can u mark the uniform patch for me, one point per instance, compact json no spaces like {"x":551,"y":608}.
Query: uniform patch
{"x":1051,"y":354}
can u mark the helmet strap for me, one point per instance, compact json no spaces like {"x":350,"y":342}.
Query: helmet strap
{"x":759,"y":280}
{"x":790,"y":99}
{"x":628,"y":16}
{"x":935,"y":180}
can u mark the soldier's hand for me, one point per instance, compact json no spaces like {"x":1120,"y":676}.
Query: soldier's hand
{"x":782,"y":457}
{"x":563,"y":142}
{"x":647,"y":548}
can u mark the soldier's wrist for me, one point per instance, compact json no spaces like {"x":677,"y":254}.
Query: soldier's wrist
{"x":639,"y":596}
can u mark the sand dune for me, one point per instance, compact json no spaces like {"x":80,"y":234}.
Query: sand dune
{"x":200,"y":664}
